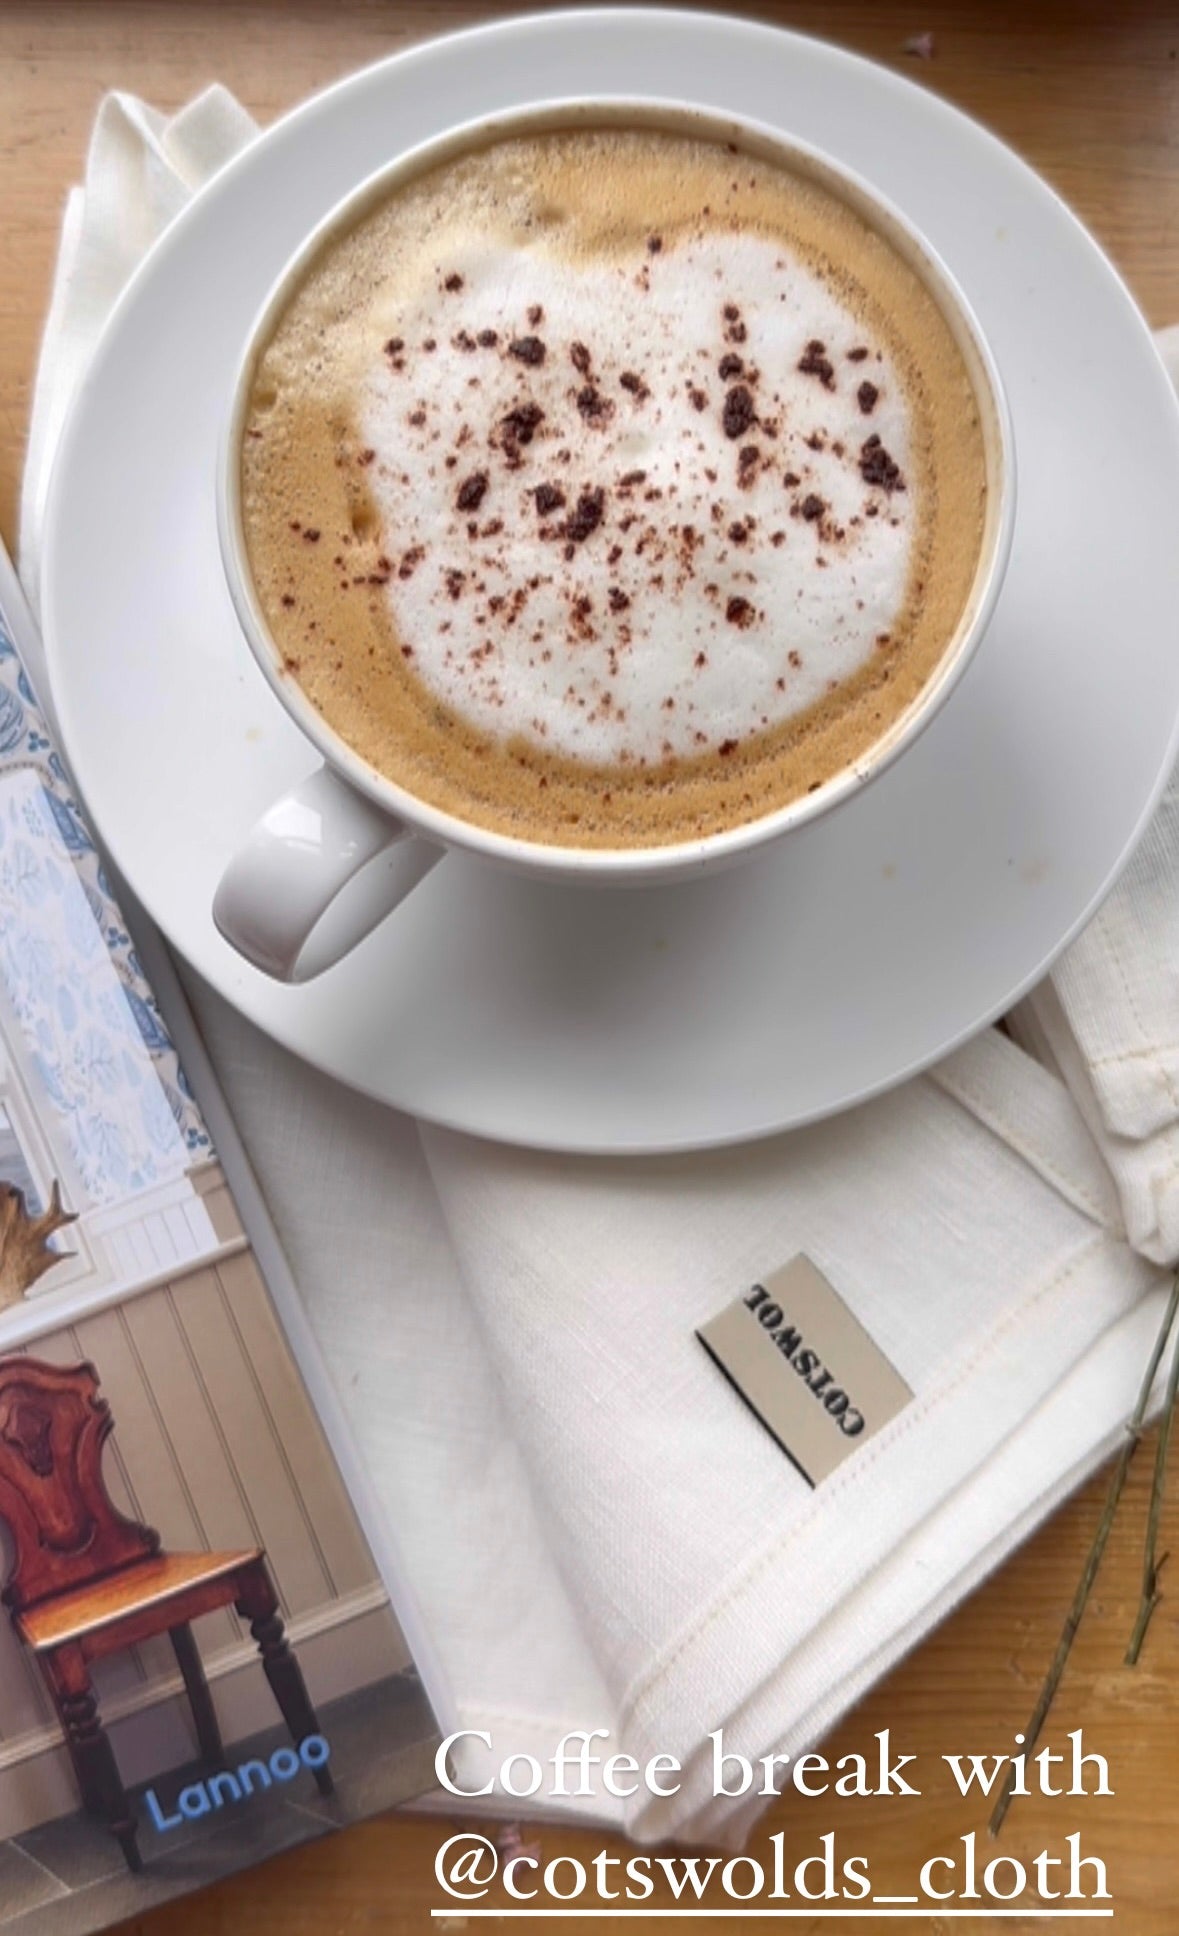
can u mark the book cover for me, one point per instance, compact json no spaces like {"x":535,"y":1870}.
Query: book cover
{"x":199,"y":1661}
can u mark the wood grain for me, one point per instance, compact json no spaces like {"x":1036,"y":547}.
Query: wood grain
{"x":1090,"y":95}
{"x":145,"y":1589}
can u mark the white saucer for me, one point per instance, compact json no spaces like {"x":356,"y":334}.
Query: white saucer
{"x":863,"y":947}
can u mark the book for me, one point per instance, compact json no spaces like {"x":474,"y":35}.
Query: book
{"x":207,"y":1650}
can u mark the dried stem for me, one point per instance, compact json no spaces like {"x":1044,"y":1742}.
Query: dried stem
{"x":1089,"y":1571}
{"x":1152,"y":1567}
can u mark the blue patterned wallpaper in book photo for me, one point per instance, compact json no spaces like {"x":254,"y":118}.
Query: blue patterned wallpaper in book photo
{"x":90,"y":1026}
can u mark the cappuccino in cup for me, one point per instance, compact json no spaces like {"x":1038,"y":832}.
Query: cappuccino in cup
{"x":613,"y":486}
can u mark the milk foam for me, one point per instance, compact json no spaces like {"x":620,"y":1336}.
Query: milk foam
{"x":725,"y":549}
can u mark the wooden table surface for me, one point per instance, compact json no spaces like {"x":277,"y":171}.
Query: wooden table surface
{"x":1090,"y":95}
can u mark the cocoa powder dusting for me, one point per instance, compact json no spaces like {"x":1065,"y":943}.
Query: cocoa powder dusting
{"x":633,"y":383}
{"x":738,"y":412}
{"x":471,"y":491}
{"x":814,"y":361}
{"x":549,"y":498}
{"x":587,"y":515}
{"x":517,"y":429}
{"x":596,"y":410}
{"x":735,"y":330}
{"x":878,"y":467}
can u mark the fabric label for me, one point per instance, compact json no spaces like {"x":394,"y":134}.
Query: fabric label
{"x":806,"y":1367}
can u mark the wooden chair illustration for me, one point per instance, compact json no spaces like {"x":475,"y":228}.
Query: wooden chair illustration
{"x":85,"y":1581}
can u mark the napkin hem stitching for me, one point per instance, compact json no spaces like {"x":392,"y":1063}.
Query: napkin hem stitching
{"x":1067,"y":1180}
{"x":1131,"y":1055}
{"x":1119,"y":966}
{"x":920,"y":1411}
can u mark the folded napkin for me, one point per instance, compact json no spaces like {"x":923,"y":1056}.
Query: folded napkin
{"x":599,"y":1532}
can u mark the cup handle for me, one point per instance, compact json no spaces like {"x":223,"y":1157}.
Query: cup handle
{"x":317,"y":873}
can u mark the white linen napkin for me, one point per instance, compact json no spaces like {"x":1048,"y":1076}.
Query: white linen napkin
{"x":598,"y":1531}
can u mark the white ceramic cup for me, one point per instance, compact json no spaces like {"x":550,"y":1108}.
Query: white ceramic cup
{"x":331,"y":859}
